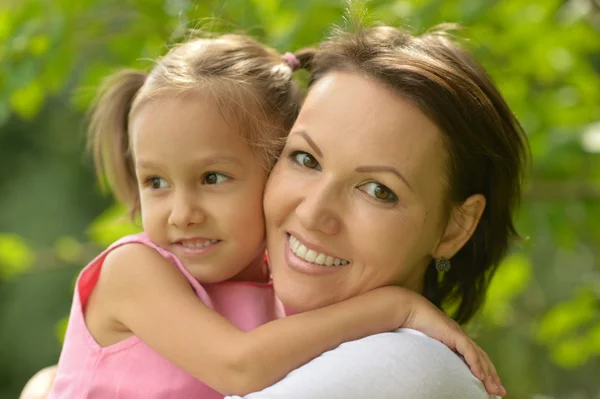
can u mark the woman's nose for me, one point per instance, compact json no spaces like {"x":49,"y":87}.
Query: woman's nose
{"x":317,"y":211}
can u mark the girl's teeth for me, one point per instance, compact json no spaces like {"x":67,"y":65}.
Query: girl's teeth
{"x":312,"y":256}
{"x":198,"y":244}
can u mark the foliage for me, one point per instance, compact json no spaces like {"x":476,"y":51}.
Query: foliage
{"x":541,"y":322}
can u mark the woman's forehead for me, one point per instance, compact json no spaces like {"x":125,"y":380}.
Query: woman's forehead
{"x":360,"y":103}
{"x":364,"y":120}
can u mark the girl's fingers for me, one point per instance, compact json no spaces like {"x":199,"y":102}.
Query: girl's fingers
{"x":474,"y":360}
{"x":492,"y":381}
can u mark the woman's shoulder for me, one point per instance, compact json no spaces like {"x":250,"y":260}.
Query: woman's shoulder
{"x":406,"y":348}
{"x":422,"y":366}
{"x":398,"y":365}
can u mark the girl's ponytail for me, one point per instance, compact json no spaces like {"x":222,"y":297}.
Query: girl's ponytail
{"x":306,"y":56}
{"x":108,"y":135}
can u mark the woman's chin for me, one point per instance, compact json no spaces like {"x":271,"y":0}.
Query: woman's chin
{"x":298,"y":298}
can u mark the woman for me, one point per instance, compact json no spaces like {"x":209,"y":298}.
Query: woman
{"x":404,"y":155}
{"x":406,"y":162}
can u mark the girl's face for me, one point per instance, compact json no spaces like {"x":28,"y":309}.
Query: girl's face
{"x":355,"y":201}
{"x":200,"y":186}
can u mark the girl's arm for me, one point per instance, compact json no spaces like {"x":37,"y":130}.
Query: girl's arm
{"x":146,"y":295}
{"x":39,"y":386}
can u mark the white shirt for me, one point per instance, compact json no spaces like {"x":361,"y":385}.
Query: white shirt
{"x":404,"y":364}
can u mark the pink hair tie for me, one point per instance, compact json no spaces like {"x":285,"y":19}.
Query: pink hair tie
{"x":292,"y":61}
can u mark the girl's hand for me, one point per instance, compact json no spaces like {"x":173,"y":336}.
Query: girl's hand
{"x":425,"y":317}
{"x":39,"y":386}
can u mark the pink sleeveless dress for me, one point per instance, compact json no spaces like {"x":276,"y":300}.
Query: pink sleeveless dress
{"x":130,"y":369}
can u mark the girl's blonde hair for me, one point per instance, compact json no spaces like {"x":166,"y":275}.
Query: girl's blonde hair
{"x":251,"y":83}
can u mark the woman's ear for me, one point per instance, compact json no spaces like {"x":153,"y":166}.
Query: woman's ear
{"x":461,"y":226}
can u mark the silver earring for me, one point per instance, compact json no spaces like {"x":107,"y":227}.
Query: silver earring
{"x":442,"y":265}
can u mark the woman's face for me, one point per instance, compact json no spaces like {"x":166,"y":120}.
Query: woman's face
{"x":355,"y":201}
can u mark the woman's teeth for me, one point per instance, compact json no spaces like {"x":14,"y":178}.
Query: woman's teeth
{"x":198,"y":243}
{"x":312,"y":256}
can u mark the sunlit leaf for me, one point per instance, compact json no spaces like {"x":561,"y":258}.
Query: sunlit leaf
{"x":510,"y":280}
{"x":571,"y":353}
{"x":27,"y":100}
{"x":68,"y":249}
{"x":61,"y":329}
{"x":593,"y":339}
{"x":39,"y":45}
{"x":113,"y":224}
{"x":5,"y":24}
{"x":567,"y":316}
{"x":15,"y":255}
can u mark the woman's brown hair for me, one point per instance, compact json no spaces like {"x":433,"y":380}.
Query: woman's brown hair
{"x":250,"y":82}
{"x":487,"y":150}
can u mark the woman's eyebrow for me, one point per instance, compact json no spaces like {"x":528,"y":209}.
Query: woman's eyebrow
{"x":383,"y":168}
{"x":310,"y":142}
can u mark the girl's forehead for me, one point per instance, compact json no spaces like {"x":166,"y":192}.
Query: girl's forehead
{"x":184,"y":124}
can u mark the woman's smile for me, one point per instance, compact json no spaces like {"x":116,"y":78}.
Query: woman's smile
{"x":346,"y":214}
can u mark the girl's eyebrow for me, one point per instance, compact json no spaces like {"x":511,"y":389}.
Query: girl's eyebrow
{"x":310,"y":141}
{"x":199,"y":162}
{"x":145,"y":164}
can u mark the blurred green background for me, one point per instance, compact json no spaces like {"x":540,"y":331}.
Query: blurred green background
{"x":541,"y":322}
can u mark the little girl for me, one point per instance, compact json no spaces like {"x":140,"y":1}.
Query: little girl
{"x":186,"y":309}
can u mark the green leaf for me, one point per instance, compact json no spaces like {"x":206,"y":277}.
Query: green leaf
{"x":571,"y":353}
{"x":510,"y":280}
{"x":5,"y":25}
{"x":593,"y":339}
{"x":567,"y":316}
{"x":61,"y":329}
{"x":68,"y":249}
{"x":112,"y":225}
{"x":28,"y":100}
{"x":39,"y":45}
{"x":15,"y":256}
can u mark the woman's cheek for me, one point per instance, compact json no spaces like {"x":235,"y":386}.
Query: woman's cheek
{"x":280,"y":188}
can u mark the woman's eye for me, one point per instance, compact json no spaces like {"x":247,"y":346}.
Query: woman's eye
{"x":379,"y":191}
{"x":305,"y":159}
{"x":215,"y":178}
{"x":158,"y":183}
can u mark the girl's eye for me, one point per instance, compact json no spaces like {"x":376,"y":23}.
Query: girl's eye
{"x":215,"y":178}
{"x":158,"y":183}
{"x":305,"y":159}
{"x":379,"y":191}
